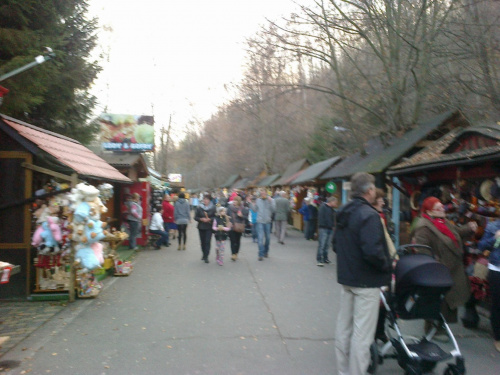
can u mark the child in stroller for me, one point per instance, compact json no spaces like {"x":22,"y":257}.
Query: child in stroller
{"x":420,"y":285}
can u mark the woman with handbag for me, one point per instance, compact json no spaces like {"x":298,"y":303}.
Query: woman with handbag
{"x":238,"y":215}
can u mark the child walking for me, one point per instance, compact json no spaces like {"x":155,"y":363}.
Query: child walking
{"x":221,"y":226}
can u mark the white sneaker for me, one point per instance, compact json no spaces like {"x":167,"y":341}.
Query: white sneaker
{"x":320,"y":264}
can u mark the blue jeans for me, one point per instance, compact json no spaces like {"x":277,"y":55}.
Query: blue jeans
{"x":163,"y":240}
{"x":263,"y":229}
{"x":324,"y":241}
{"x":135,"y":227}
{"x":254,"y":231}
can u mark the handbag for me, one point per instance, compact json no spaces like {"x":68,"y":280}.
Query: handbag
{"x":239,"y":227}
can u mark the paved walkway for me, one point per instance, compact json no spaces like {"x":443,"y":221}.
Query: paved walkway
{"x":178,"y":315}
{"x":19,"y":319}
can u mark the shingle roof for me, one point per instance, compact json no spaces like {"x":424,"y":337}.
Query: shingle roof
{"x":315,"y":170}
{"x":379,"y":161}
{"x":290,"y":171}
{"x":436,"y":156}
{"x":379,"y":157}
{"x":67,"y":151}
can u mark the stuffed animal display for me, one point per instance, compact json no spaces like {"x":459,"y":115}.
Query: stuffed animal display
{"x":86,"y":225}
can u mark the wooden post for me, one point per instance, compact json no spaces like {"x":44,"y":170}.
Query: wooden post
{"x":72,"y":276}
{"x":395,"y":210}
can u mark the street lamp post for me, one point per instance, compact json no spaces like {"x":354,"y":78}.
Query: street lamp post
{"x":38,"y":60}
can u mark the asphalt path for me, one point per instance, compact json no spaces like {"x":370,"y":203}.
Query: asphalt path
{"x":178,"y":315}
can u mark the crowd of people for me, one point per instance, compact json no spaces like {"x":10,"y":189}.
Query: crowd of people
{"x":356,"y":231}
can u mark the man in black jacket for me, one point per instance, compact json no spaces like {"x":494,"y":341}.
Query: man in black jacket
{"x":363,"y":266}
{"x":326,"y":223}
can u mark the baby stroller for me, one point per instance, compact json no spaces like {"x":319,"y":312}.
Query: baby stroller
{"x":420,"y":285}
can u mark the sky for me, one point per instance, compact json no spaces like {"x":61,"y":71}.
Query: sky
{"x":173,"y":58}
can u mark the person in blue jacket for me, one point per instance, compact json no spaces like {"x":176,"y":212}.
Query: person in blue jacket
{"x":491,"y":241}
{"x":304,"y":211}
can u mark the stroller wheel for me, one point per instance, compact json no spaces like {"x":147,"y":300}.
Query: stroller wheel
{"x":453,"y":370}
{"x":412,"y":370}
{"x":428,"y":366}
{"x":374,"y":359}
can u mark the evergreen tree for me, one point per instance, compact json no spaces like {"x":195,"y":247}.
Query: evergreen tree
{"x":329,"y":139}
{"x":52,"y":95}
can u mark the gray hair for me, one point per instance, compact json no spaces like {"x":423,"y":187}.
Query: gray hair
{"x":361,"y":182}
{"x":332,"y":199}
{"x":283,"y":193}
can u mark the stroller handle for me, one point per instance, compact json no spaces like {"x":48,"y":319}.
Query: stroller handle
{"x":413,"y":249}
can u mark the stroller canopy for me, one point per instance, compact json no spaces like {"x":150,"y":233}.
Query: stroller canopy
{"x":422,"y":270}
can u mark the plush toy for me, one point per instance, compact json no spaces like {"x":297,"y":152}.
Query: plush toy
{"x":96,"y":208}
{"x":94,"y":231}
{"x":81,"y":213}
{"x":49,"y":233}
{"x":85,"y":255}
{"x":98,"y":251}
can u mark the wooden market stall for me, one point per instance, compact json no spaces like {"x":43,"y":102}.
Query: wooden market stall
{"x":461,"y":169}
{"x":30,"y":160}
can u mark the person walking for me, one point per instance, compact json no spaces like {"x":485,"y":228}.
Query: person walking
{"x":265,"y":207}
{"x":252,"y":219}
{"x":281,"y":216}
{"x":167,"y":215}
{"x":221,"y":226}
{"x":156,"y":227}
{"x":363,"y":266}
{"x":182,"y":218}
{"x":238,"y":215}
{"x":304,"y":211}
{"x":313,"y":219}
{"x":134,"y":218}
{"x":194,"y":202}
{"x":326,"y":224}
{"x":204,"y":216}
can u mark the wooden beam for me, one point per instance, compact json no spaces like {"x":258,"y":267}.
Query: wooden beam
{"x":47,"y":171}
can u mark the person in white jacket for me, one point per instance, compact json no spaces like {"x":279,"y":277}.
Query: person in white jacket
{"x":156,"y":227}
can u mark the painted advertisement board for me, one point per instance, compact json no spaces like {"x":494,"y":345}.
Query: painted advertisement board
{"x":126,"y":133}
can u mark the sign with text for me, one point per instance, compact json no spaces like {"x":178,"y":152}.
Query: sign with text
{"x":175,"y":177}
{"x":126,"y":133}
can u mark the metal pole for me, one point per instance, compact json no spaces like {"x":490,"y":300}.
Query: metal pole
{"x":395,"y":210}
{"x":38,"y":60}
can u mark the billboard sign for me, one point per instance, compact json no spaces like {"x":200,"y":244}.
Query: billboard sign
{"x":126,"y":133}
{"x":175,"y":177}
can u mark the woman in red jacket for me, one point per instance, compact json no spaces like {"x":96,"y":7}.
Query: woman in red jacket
{"x":168,"y":214}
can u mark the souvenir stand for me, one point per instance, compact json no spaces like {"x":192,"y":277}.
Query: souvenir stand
{"x":461,"y":169}
{"x":41,"y":168}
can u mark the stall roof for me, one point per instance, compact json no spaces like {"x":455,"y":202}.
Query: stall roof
{"x":438,"y":155}
{"x":291,"y":170}
{"x":346,"y":166}
{"x":315,"y":170}
{"x":66,"y":151}
{"x":231,"y":181}
{"x":242,"y":183}
{"x":267,"y":181}
{"x":121,"y":160}
{"x":379,"y":157}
